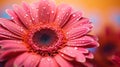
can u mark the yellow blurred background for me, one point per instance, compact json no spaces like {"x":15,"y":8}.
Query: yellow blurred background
{"x":100,"y":12}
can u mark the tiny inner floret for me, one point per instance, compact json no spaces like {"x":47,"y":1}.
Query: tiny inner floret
{"x":45,"y":38}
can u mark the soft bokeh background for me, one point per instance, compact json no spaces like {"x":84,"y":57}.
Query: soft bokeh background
{"x":100,"y":12}
{"x":105,"y":15}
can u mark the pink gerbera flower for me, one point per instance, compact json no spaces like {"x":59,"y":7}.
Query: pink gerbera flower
{"x":45,"y":35}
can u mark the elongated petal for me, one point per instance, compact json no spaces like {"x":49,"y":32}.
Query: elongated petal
{"x":63,"y":14}
{"x":14,"y":17}
{"x":74,"y":18}
{"x":48,"y":62}
{"x":66,"y":57}
{"x":89,"y":55}
{"x":23,"y":15}
{"x":4,"y":55}
{"x":6,"y":34}
{"x":26,"y":7}
{"x":20,"y":60}
{"x":31,"y":61}
{"x":9,"y":63}
{"x":12,"y":44}
{"x":80,"y":57}
{"x":89,"y":45}
{"x":46,"y":11}
{"x":90,"y":26}
{"x":68,"y":51}
{"x":83,"y":41}
{"x":82,"y":50}
{"x":73,"y":52}
{"x":34,"y":12}
{"x":88,"y":64}
{"x":12,"y":27}
{"x":10,"y":48}
{"x":92,"y":44}
{"x":80,"y":22}
{"x":77,"y":32}
{"x":62,"y":62}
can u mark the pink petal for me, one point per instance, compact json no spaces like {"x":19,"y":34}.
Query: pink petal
{"x":14,"y":17}
{"x":82,"y":41}
{"x":74,"y":18}
{"x":9,"y":63}
{"x":32,"y":61}
{"x":88,"y":45}
{"x":63,"y":14}
{"x":4,"y":55}
{"x":73,"y":52}
{"x":82,"y":21}
{"x":92,"y":44}
{"x":80,"y":57}
{"x":88,"y":64}
{"x":46,"y":11}
{"x":11,"y":44}
{"x":82,"y":50}
{"x":66,"y":57}
{"x":48,"y":62}
{"x":20,"y":59}
{"x":10,"y":48}
{"x":77,"y":32}
{"x":14,"y":28}
{"x":34,"y":12}
{"x":89,"y":55}
{"x":6,"y":34}
{"x":23,"y":15}
{"x":68,"y":51}
{"x":62,"y":62}
{"x":26,"y":7}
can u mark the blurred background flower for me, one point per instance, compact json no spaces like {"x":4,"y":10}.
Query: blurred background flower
{"x":109,"y":39}
{"x":105,"y":16}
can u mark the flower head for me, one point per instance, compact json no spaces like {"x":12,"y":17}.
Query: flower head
{"x":45,"y":35}
{"x":109,"y":38}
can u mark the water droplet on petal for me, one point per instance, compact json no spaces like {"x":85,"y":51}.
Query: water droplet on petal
{"x":52,"y":11}
{"x":58,"y":16}
{"x":30,"y":20}
{"x":77,"y":18}
{"x":74,"y":15}
{"x":26,"y":15}
{"x":12,"y":17}
{"x":33,"y":19}
{"x":63,"y":11}
{"x":36,"y":15}
{"x":67,"y":14}
{"x":44,"y":7}
{"x":76,"y":48}
{"x":48,"y":59}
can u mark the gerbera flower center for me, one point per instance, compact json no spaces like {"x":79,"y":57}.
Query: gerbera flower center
{"x":45,"y":38}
